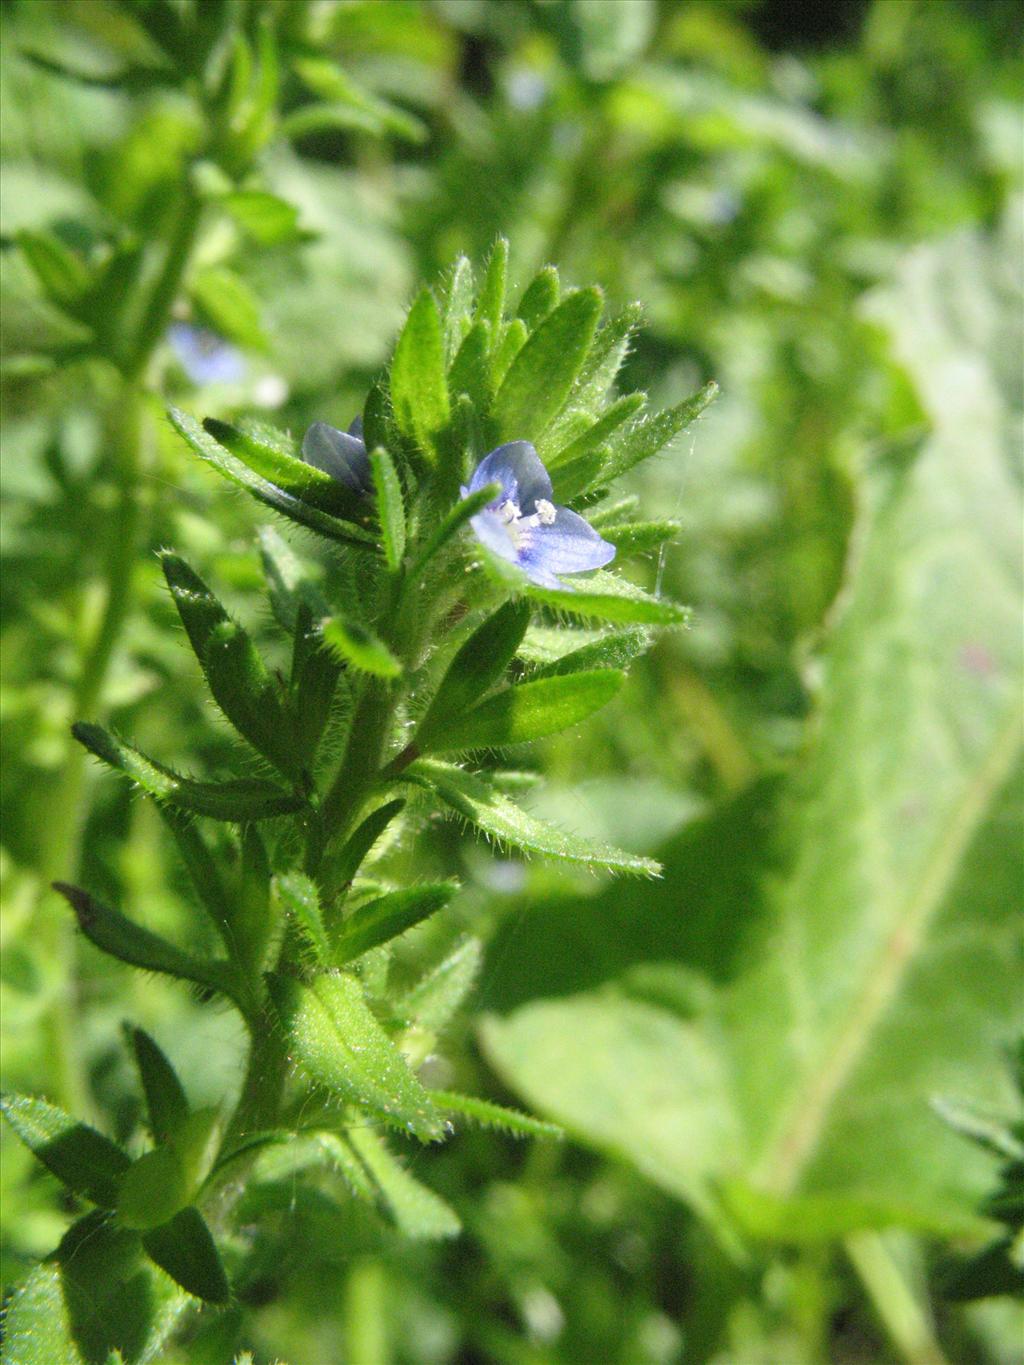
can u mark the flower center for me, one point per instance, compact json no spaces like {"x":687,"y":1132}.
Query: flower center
{"x":519,"y":527}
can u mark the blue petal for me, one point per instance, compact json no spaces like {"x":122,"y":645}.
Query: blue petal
{"x":492,"y":533}
{"x":568,"y":545}
{"x":204,"y":356}
{"x":517,"y":467}
{"x":338,"y":453}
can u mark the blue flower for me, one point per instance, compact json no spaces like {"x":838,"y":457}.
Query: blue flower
{"x":342,"y":454}
{"x":523,"y":525}
{"x":204,"y":356}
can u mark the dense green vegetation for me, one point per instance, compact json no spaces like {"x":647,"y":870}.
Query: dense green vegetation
{"x":776,"y":1092}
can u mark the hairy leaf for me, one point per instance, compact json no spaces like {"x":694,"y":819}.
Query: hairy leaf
{"x":479,"y":663}
{"x":166,"y":1103}
{"x":79,"y":1156}
{"x":419,"y":391}
{"x":358,"y":646}
{"x":184,"y":1248}
{"x":380,"y":920}
{"x":417,"y":1211}
{"x":390,"y":508}
{"x":527,"y":711}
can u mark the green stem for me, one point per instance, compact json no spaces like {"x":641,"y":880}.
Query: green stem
{"x":902,"y":1313}
{"x":361,"y":765}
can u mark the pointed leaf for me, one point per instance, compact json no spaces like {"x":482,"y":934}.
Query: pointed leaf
{"x":527,"y":711}
{"x":238,"y":678}
{"x":380,"y":920}
{"x":266,"y":492}
{"x":228,"y":305}
{"x":62,"y":274}
{"x":455,"y":520}
{"x":119,"y":936}
{"x":471,"y":369}
{"x":491,"y":303}
{"x":390,"y":508}
{"x":458,"y":307}
{"x":636,"y":537}
{"x":339,"y":1043}
{"x":615,"y":650}
{"x":434,"y":999}
{"x":489,"y":1115}
{"x":539,"y":297}
{"x":480,"y":662}
{"x":277,"y":461}
{"x":543,"y":372}
{"x":315,"y":674}
{"x":500,"y":819}
{"x":606,"y":597}
{"x":301,"y":899}
{"x":652,"y":434}
{"x":350,"y":857}
{"x":79,"y":1156}
{"x":417,"y":1211}
{"x":166,"y":1103}
{"x":238,"y":800}
{"x":185,"y":1249}
{"x":419,"y":391}
{"x":595,"y":435}
{"x":288,"y":583}
{"x":509,"y":343}
{"x":203,"y":871}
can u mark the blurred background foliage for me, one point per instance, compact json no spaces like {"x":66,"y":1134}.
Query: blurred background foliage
{"x":817,"y":209}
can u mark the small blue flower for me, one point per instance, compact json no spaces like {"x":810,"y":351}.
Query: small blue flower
{"x":204,"y":356}
{"x":525,"y":527}
{"x":342,"y":454}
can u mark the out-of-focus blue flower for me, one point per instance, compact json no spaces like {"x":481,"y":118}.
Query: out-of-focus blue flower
{"x":523,"y":525}
{"x":342,"y":454}
{"x":204,"y":356}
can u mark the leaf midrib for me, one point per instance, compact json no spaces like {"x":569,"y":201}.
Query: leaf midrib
{"x":781,"y":1166}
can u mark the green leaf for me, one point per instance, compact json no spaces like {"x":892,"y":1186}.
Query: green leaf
{"x":610,"y":348}
{"x":458,"y":307}
{"x":595,"y":435}
{"x":358,"y":646}
{"x":431,"y":1003}
{"x":113,"y":933}
{"x":203,"y":871}
{"x":803,"y":1091}
{"x":79,"y":1156}
{"x":315,"y":674}
{"x":390,"y":508}
{"x":352,"y":105}
{"x":238,"y":678}
{"x":265,"y":491}
{"x":491,"y":302}
{"x":299,"y":896}
{"x":226,"y":304}
{"x":637,"y":537}
{"x":527,"y":711}
{"x":614,"y":650}
{"x":652,"y":434}
{"x":153,"y":1190}
{"x":489,"y":1115}
{"x":419,"y":391}
{"x":277,"y":461}
{"x":288,"y":583}
{"x":166,"y":1103}
{"x":350,"y":857}
{"x":455,"y":520}
{"x":238,"y":800}
{"x":417,"y":1211}
{"x":62,"y":274}
{"x":184,"y":1248}
{"x":378,"y":921}
{"x":542,"y":374}
{"x":500,"y":819}
{"x":267,"y":219}
{"x":471,"y":369}
{"x":539,"y":298}
{"x":477,"y":666}
{"x":255,"y":918}
{"x":510,"y":341}
{"x":338,"y":1042}
{"x":606,"y":597}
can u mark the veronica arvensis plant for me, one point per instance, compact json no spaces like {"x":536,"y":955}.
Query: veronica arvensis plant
{"x":468,"y":510}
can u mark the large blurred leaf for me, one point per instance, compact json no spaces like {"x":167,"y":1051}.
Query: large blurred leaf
{"x":882,"y":967}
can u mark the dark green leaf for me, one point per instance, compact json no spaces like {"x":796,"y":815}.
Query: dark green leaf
{"x":237,"y":800}
{"x":185,"y":1249}
{"x":202,"y":869}
{"x":85,"y":1160}
{"x":526,"y":711}
{"x":266,"y":492}
{"x":315,"y":673}
{"x":339,"y":1043}
{"x":166,"y":1102}
{"x":113,"y":933}
{"x":288,"y":583}
{"x":62,"y":274}
{"x":479,"y":664}
{"x":351,"y":856}
{"x":279,"y":463}
{"x":383,"y":919}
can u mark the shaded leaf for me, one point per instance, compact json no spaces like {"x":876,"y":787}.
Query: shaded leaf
{"x":185,"y":1249}
{"x":417,"y":1211}
{"x":380,"y":920}
{"x":79,"y":1156}
{"x":527,"y":711}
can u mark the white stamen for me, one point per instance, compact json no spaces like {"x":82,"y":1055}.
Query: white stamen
{"x":545,"y":511}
